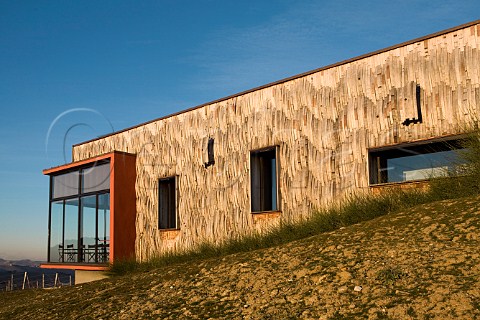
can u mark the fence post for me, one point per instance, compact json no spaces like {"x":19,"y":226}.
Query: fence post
{"x":56,"y":279}
{"x":70,"y":280}
{"x":24,"y":279}
{"x":11,"y":282}
{"x":43,"y":280}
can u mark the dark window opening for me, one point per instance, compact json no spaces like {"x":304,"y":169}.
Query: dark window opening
{"x":167,"y":211}
{"x":211,"y":154}
{"x":414,"y":162}
{"x":419,"y":118}
{"x":263,"y":165}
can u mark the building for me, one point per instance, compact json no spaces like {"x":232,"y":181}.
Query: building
{"x":270,"y":154}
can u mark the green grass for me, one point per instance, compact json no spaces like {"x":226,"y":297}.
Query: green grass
{"x":389,"y":275}
{"x":462,"y":181}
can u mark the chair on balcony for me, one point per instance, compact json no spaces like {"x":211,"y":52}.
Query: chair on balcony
{"x":90,"y":253}
{"x":71,"y":253}
{"x":103,"y":252}
{"x":61,"y":253}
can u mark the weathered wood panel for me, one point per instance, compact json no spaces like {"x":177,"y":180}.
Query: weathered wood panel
{"x":323,"y":123}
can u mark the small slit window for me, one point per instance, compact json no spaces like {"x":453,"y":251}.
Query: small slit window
{"x":210,"y":153}
{"x":414,"y":162}
{"x":264,"y":188}
{"x":167,"y":210}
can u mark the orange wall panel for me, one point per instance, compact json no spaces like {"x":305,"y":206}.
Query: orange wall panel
{"x":123,"y":206}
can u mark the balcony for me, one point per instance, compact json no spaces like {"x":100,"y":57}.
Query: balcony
{"x":89,"y":200}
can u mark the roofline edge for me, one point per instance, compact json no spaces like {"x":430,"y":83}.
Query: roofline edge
{"x":300,"y":75}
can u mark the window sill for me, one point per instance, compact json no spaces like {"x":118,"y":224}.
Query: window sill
{"x":414,"y":184}
{"x":168,"y":234}
{"x":264,"y":215}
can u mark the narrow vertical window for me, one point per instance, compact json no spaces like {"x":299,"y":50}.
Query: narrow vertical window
{"x":419,"y":118}
{"x":418,"y":102}
{"x":167,"y":213}
{"x":263,"y":178}
{"x":56,"y":232}
{"x":211,"y":154}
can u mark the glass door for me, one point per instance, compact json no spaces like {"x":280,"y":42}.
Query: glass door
{"x":88,"y":230}
{"x":103,"y":227}
{"x":70,"y":236}
{"x":56,"y":232}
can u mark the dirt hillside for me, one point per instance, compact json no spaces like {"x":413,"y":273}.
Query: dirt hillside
{"x":419,"y":264}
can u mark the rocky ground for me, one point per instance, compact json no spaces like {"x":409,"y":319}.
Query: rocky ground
{"x":419,"y":264}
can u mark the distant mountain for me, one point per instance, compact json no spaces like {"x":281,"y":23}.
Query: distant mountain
{"x":23,"y":262}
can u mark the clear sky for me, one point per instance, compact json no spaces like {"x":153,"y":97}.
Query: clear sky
{"x":73,"y":70}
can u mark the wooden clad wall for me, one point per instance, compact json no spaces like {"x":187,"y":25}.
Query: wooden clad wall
{"x":323,"y":123}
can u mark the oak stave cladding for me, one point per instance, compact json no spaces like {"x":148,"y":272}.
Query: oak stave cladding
{"x":323,"y":123}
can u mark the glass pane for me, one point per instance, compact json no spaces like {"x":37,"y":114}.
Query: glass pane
{"x":56,"y":232}
{"x":103,"y":227}
{"x":274,"y":183}
{"x":421,"y":166}
{"x":88,"y":230}
{"x":166,"y":204}
{"x":71,"y":230}
{"x":263,"y":180}
{"x":96,"y":178}
{"x":65,"y":185}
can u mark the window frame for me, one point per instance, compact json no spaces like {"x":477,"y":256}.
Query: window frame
{"x":176,"y":225}
{"x":377,"y":157}
{"x":78,"y":197}
{"x":276,"y":206}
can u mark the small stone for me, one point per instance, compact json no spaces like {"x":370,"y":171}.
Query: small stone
{"x":357,"y":288}
{"x":274,"y":292}
{"x":342,"y":289}
{"x":246,"y":306}
{"x":351,"y":263}
{"x":344,"y":276}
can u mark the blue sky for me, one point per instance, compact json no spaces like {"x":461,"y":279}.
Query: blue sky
{"x":73,"y":70}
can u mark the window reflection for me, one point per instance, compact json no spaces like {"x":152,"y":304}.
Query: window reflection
{"x":71,"y":230}
{"x":79,"y":230}
{"x":416,"y":162}
{"x":423,"y":166}
{"x":89,"y":225}
{"x":96,"y":178}
{"x":65,"y":185}
{"x":56,"y":232}
{"x":103,"y":239}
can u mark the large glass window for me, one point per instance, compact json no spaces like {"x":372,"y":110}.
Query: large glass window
{"x":88,"y":232}
{"x":263,"y":180}
{"x":96,"y":178}
{"x":414,"y":162}
{"x":103,"y":227}
{"x":65,"y":185}
{"x":56,"y":232}
{"x":70,"y":237}
{"x":79,"y":230}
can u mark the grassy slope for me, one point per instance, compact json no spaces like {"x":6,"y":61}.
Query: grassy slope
{"x":422,"y":263}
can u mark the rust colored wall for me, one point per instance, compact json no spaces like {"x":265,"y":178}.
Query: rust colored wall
{"x":123,"y":206}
